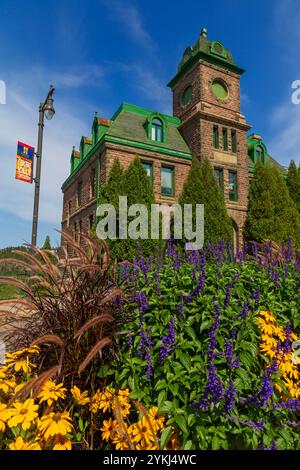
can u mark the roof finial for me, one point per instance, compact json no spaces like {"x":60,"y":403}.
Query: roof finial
{"x":203,"y":33}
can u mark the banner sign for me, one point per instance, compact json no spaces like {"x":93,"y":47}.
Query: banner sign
{"x":24,"y":163}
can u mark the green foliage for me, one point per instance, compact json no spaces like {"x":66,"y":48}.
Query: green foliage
{"x":201,"y":187}
{"x":134,"y":184}
{"x":293,"y":183}
{"x":47,"y":243}
{"x":272,"y":213}
{"x":179,"y":381}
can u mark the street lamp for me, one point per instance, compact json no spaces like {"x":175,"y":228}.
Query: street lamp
{"x":45,"y":109}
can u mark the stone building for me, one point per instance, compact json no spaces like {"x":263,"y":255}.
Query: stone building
{"x":206,"y":122}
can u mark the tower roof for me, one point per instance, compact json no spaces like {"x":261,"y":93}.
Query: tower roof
{"x":211,"y":51}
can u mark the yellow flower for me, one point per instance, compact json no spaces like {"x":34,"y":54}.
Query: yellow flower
{"x":80,"y":398}
{"x":4,"y":415}
{"x":108,"y":429}
{"x":7,"y":382}
{"x":51,"y":392}
{"x":20,"y":444}
{"x":19,"y":362}
{"x":106,"y":399}
{"x":62,"y":443}
{"x":55,"y":423}
{"x":268,"y":316}
{"x":142,"y":431}
{"x":23,"y":413}
{"x":123,"y":393}
{"x":121,"y":442}
{"x":156,"y":421}
{"x":95,"y":402}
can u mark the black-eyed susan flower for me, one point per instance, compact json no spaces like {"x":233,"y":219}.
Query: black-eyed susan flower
{"x":19,"y":362}
{"x":95,"y":402}
{"x":156,"y":420}
{"x":108,"y":429}
{"x":20,"y":444}
{"x":4,"y":415}
{"x":51,"y":392}
{"x":7,"y":381}
{"x":62,"y":443}
{"x":81,"y":398}
{"x":121,"y":441}
{"x":22,"y":413}
{"x":106,"y":400}
{"x":143,"y":430}
{"x":55,"y":424}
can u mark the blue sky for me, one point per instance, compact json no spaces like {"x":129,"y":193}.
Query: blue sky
{"x":100,"y":53}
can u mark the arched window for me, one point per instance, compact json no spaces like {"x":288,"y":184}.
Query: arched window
{"x":157,"y":130}
{"x":259,"y":153}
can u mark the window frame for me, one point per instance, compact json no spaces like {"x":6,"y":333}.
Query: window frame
{"x":154,"y":127}
{"x":225,"y":139}
{"x":220,"y":180}
{"x":172,"y":168}
{"x":216,"y":137}
{"x":150,"y":164}
{"x":233,"y":141}
{"x":235,"y":192}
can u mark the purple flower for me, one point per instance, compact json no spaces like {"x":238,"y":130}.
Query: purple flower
{"x":230,"y":397}
{"x":228,"y":294}
{"x":229,"y":355}
{"x":214,"y":390}
{"x":168,"y":341}
{"x":130,"y":340}
{"x":245,"y":310}
{"x":141,"y":300}
{"x":256,"y":296}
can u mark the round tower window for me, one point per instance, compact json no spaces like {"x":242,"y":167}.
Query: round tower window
{"x":219,"y":89}
{"x":187,"y":95}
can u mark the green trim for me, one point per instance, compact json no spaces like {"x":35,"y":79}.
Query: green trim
{"x":128,"y":143}
{"x":216,"y":60}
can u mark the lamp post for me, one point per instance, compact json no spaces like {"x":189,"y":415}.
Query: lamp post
{"x":45,"y":109}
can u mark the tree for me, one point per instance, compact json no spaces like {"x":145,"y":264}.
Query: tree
{"x":201,"y":187}
{"x":293,"y":183}
{"x":138,"y":190}
{"x":47,"y":243}
{"x":134,"y":184}
{"x":272,"y":213}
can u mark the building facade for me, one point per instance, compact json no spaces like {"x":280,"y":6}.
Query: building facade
{"x":207,"y":122}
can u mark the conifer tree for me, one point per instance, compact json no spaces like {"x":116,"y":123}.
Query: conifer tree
{"x":201,"y":187}
{"x":293,"y":183}
{"x":272,"y":213}
{"x":47,"y":243}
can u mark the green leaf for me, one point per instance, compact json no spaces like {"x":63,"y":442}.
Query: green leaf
{"x":165,"y":436}
{"x":181,"y":422}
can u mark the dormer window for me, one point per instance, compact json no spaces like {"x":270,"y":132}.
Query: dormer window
{"x":259,"y":154}
{"x":157,"y":130}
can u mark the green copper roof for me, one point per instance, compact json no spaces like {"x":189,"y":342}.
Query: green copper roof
{"x":130,"y":123}
{"x":211,"y":51}
{"x":254,"y":141}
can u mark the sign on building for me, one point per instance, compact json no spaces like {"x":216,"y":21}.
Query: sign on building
{"x":24,"y":163}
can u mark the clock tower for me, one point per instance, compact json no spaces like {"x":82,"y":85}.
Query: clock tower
{"x":206,"y":98}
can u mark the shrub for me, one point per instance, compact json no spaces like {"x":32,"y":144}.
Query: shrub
{"x":201,"y":187}
{"x":204,"y":347}
{"x":272,"y":213}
